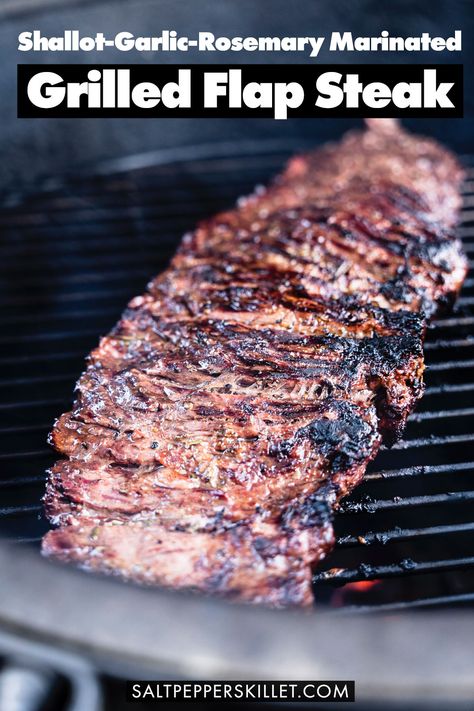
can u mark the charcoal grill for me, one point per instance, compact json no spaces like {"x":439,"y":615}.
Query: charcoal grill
{"x":71,"y":254}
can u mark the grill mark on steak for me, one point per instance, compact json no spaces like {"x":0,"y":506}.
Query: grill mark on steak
{"x":219,"y":423}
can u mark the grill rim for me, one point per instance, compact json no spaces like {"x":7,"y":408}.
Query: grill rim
{"x":140,"y":632}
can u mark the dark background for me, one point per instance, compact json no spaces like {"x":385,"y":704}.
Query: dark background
{"x":33,"y":149}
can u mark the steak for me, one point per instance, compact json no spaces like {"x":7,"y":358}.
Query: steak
{"x":220,"y":422}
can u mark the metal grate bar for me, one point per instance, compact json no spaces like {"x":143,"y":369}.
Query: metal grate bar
{"x":52,"y":336}
{"x":38,"y":379}
{"x":41,"y":357}
{"x":89,"y":214}
{"x":441,"y":414}
{"x":26,"y":428}
{"x":454,"y":322}
{"x":448,"y":389}
{"x":72,"y":297}
{"x":33,"y":403}
{"x":21,"y":481}
{"x":106,"y":276}
{"x":187,"y":184}
{"x":138,"y":257}
{"x":438,"y":601}
{"x":449,"y":343}
{"x":402,"y":534}
{"x":24,"y":455}
{"x":105,"y":245}
{"x":420,"y":470}
{"x":69,"y":316}
{"x":433,"y":441}
{"x":406,"y":566}
{"x":371,"y":506}
{"x":20,"y":510}
{"x":451,"y":364}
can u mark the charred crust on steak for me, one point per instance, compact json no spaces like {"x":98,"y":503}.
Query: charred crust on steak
{"x":219,"y":423}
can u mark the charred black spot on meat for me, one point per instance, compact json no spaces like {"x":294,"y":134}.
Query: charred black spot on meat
{"x":385,"y":354}
{"x":345,"y":440}
{"x":397,"y":290}
{"x":340,"y":436}
{"x":315,"y":510}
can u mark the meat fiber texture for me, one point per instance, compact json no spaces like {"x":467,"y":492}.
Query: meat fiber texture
{"x":220,"y":422}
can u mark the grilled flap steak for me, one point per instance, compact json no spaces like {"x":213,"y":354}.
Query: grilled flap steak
{"x":236,"y":401}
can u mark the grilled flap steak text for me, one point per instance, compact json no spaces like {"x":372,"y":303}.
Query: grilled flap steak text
{"x":219,"y":423}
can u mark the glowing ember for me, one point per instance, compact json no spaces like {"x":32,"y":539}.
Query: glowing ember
{"x":361,"y":585}
{"x":343,"y":596}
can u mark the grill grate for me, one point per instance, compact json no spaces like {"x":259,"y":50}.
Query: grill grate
{"x":70,"y":258}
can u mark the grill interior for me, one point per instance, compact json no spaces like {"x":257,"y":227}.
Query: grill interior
{"x":72,"y":254}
